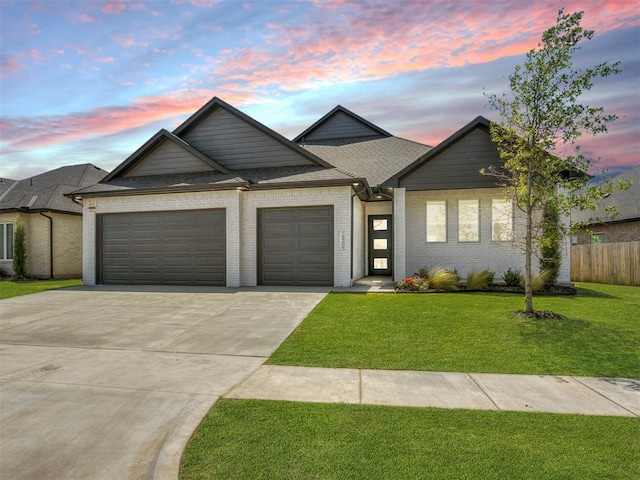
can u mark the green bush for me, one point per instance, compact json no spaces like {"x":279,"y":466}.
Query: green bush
{"x":19,"y":250}
{"x":512,"y":278}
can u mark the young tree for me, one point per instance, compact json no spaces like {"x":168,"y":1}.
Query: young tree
{"x":542,"y":120}
{"x":19,"y":250}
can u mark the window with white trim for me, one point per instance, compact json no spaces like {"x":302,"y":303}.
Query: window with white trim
{"x":6,"y":241}
{"x":501,"y":220}
{"x":468,"y":220}
{"x":437,"y":221}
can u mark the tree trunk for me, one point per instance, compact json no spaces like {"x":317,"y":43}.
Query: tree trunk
{"x":528,"y":289}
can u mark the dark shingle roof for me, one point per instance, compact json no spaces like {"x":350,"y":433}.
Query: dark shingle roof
{"x":46,"y":191}
{"x":373,"y":158}
{"x":301,"y":174}
{"x":627,"y":202}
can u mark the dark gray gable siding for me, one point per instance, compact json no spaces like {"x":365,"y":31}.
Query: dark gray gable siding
{"x":168,"y":158}
{"x":457,"y":166}
{"x":236,"y":144}
{"x":341,"y":125}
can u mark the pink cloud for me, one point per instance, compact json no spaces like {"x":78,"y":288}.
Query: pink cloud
{"x":355,"y":40}
{"x":113,"y":6}
{"x":85,"y":17}
{"x":9,"y":64}
{"x":34,"y":132}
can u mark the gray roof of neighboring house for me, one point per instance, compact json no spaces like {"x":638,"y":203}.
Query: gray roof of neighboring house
{"x":373,"y":158}
{"x":627,"y":203}
{"x":46,"y":192}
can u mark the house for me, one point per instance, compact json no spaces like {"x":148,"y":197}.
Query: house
{"x":52,"y":222}
{"x":624,"y":227}
{"x":224,"y":200}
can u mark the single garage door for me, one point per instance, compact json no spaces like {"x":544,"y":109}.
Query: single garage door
{"x":296,"y":246}
{"x":173,"y":248}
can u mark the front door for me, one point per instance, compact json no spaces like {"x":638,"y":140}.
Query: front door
{"x":380,"y":245}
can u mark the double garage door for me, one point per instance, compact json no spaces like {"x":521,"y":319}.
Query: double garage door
{"x":173,"y":248}
{"x":295,"y":247}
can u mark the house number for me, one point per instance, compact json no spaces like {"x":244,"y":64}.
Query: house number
{"x":341,"y":240}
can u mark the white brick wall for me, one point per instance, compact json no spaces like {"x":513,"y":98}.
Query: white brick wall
{"x":359,"y":239}
{"x":399,"y":234}
{"x":339,"y":197}
{"x":241,"y":216}
{"x":497,"y":257}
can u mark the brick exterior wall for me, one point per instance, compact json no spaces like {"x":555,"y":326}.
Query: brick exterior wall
{"x":241,"y":217}
{"x":67,"y":244}
{"x":613,"y":232}
{"x":495,"y":256}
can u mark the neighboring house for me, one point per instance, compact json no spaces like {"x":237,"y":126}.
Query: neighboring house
{"x":624,"y":227}
{"x":52,"y":222}
{"x":224,"y":200}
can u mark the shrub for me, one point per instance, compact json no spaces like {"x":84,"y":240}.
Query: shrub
{"x":540,"y":280}
{"x":479,"y":279}
{"x":414,"y":283}
{"x":443,"y":279}
{"x":19,"y":250}
{"x":512,"y":278}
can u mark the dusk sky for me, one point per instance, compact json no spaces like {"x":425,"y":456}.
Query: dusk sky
{"x":90,"y":81}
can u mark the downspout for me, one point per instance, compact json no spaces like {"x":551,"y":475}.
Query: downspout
{"x":364,"y":188}
{"x":50,"y":244}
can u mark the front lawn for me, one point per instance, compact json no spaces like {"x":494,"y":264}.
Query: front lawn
{"x":472,"y":332}
{"x":13,"y":289}
{"x":253,"y":439}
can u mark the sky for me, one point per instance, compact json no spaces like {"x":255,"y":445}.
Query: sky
{"x":90,"y":81}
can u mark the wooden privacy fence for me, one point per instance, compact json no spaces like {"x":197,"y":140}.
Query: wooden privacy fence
{"x":614,"y":263}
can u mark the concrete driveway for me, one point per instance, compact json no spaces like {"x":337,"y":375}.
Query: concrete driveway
{"x":108,"y":383}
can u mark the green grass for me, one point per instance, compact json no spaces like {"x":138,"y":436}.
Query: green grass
{"x":15,"y":289}
{"x":472,"y":332}
{"x":253,"y":439}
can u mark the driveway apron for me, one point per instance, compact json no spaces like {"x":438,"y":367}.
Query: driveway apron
{"x":106,"y":383}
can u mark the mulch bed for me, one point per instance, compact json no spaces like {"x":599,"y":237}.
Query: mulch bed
{"x":552,"y":290}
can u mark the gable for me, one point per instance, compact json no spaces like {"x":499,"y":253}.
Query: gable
{"x":341,"y":125}
{"x":237,"y":144}
{"x":167,"y":158}
{"x":457,"y":166}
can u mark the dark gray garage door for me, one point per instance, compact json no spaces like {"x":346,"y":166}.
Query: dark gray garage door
{"x":296,"y":246}
{"x":173,"y":248}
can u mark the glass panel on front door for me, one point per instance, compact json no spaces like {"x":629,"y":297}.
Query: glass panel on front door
{"x":380,"y":242}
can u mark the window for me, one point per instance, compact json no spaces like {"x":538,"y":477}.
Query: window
{"x":437,"y":221}
{"x":468,"y":221}
{"x":6,"y":241}
{"x":597,"y":238}
{"x":501,"y":220}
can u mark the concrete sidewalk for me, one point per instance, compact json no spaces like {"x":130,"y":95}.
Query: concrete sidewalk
{"x":531,"y":393}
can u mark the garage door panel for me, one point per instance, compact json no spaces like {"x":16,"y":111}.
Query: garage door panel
{"x":314,"y":259}
{"x":178,"y":248}
{"x":296,"y":246}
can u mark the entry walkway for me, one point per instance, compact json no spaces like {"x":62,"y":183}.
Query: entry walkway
{"x":532,"y":393}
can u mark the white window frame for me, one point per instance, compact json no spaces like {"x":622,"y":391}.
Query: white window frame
{"x":6,"y":253}
{"x":500,"y":205}
{"x":438,"y":203}
{"x":476,"y":228}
